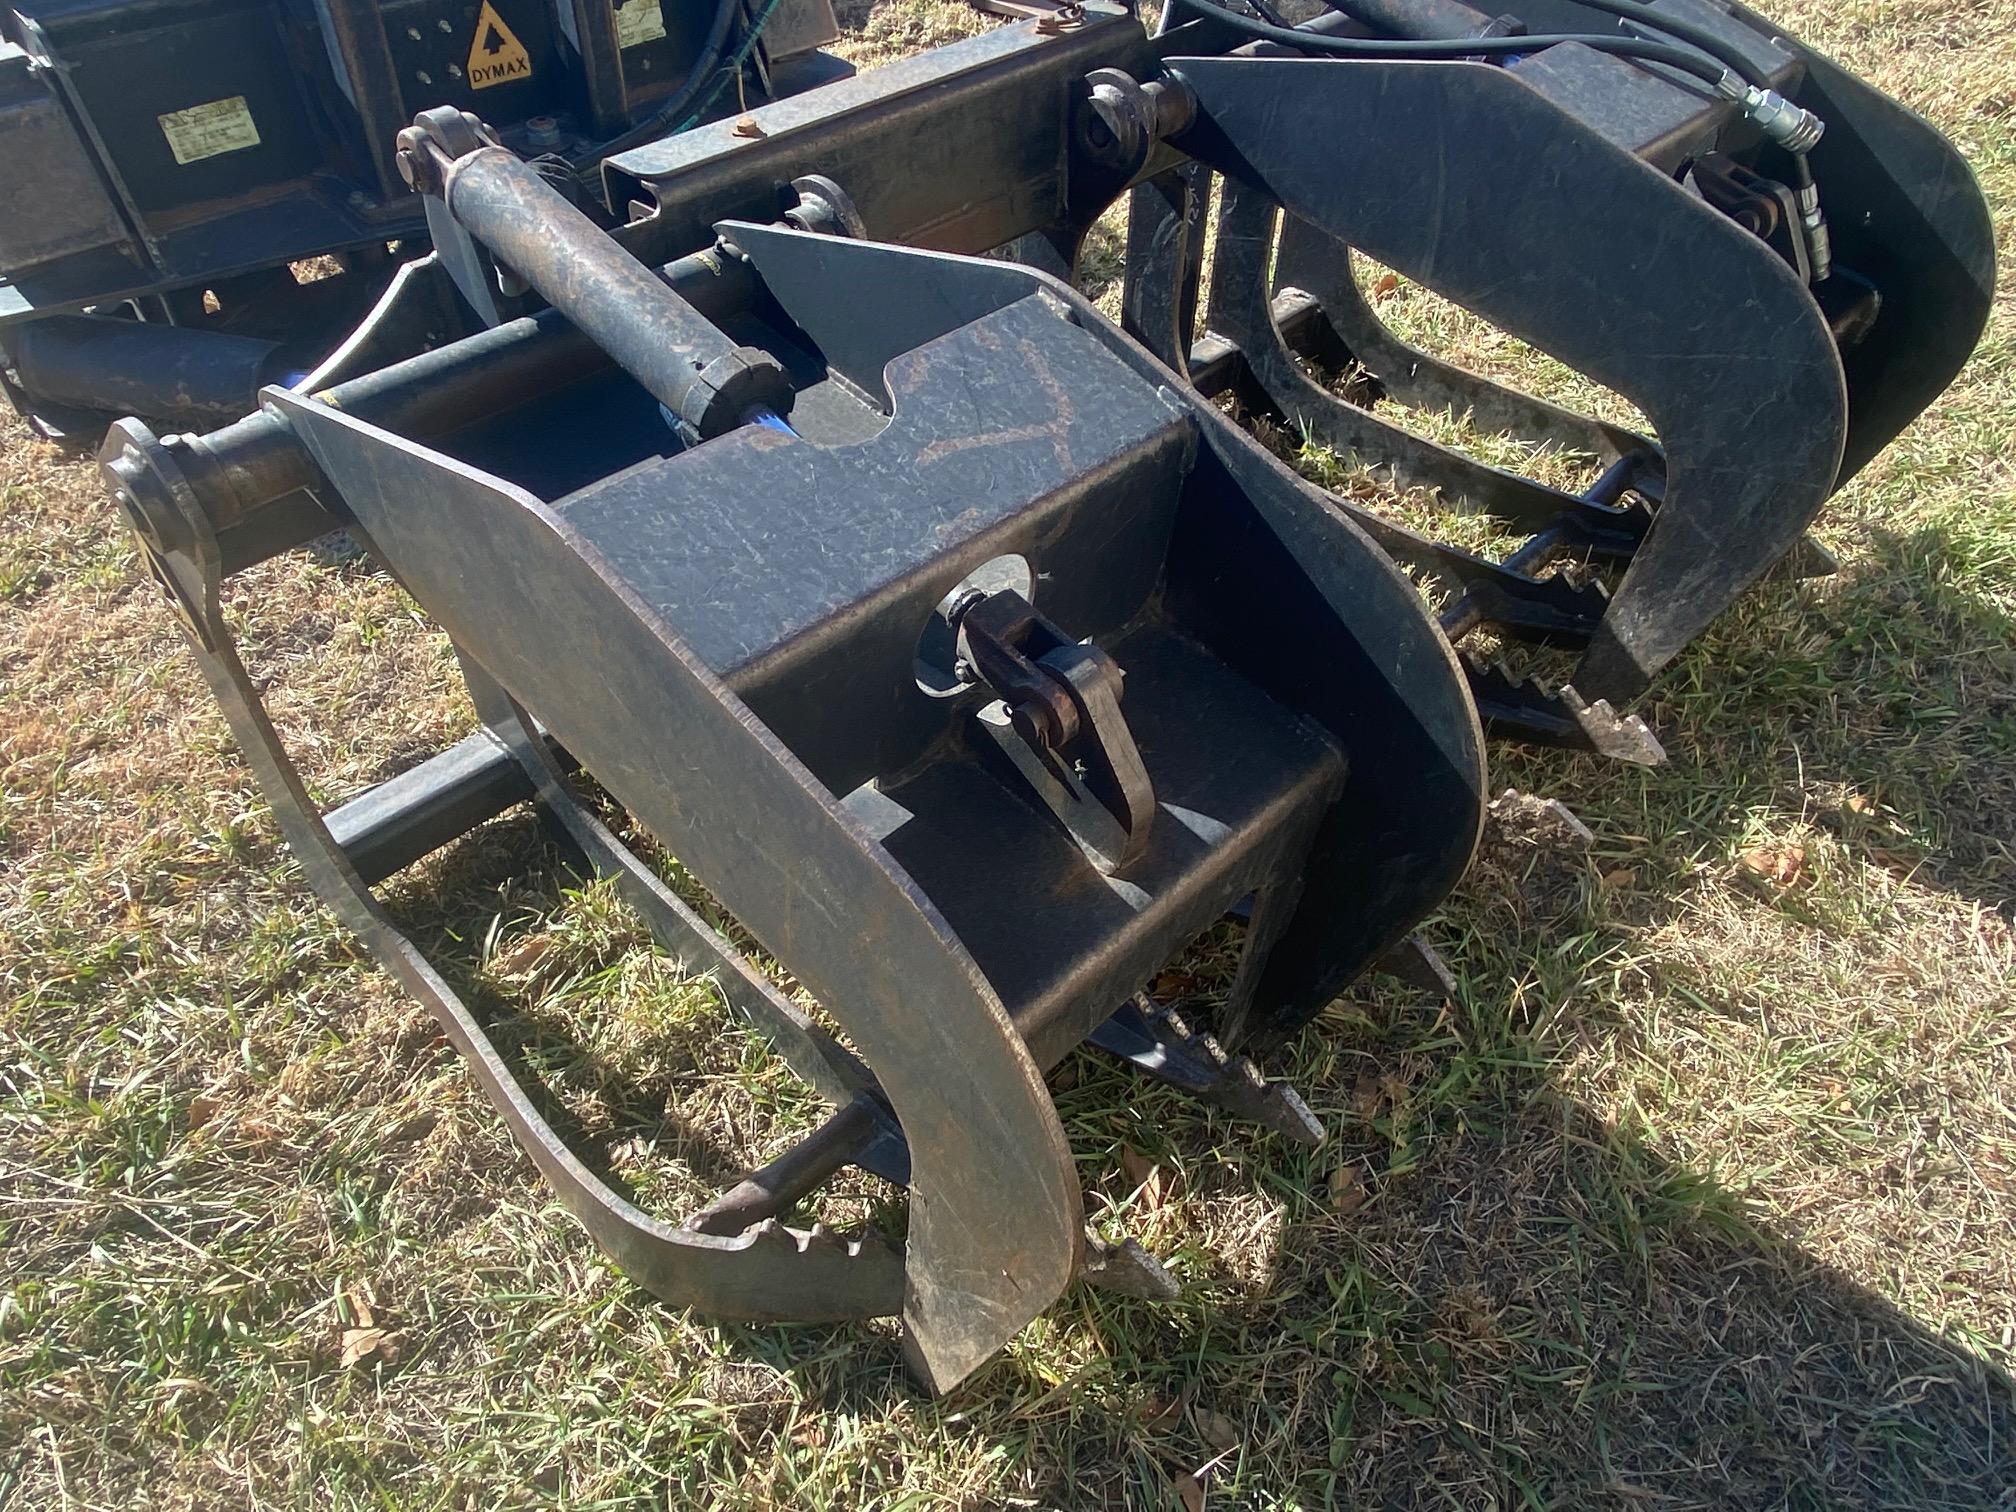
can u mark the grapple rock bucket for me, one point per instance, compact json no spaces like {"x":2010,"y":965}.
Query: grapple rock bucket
{"x":970,"y":664}
{"x":1664,"y":236}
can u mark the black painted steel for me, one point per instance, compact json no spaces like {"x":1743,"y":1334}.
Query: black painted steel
{"x":1013,"y":664}
{"x":1751,"y":448}
{"x":201,"y":378}
{"x":963,"y":149}
{"x":1747,"y":448}
{"x":170,"y":158}
{"x":686,"y":362}
{"x":748,"y":1275}
{"x":745,"y":667}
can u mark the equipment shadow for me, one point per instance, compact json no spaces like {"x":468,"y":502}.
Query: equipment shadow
{"x":1515,"y":1298}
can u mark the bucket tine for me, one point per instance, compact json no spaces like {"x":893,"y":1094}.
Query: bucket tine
{"x":1157,"y":1042}
{"x":1751,"y":449}
{"x":844,"y":1139}
{"x":1126,"y":1269}
{"x":1770,"y":358}
{"x":1320,"y":266}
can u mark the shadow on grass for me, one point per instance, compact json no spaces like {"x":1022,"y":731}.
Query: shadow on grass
{"x":514,"y":870}
{"x":1895,"y":683}
{"x":1515,"y":1298}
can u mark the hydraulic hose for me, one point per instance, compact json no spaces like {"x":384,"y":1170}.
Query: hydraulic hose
{"x":680,"y":100}
{"x":731,"y":68}
{"x":1673,"y":55}
{"x":1685,"y":31}
{"x":1812,"y":219}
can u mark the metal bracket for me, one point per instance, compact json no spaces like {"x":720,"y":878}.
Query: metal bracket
{"x":1058,"y":720}
{"x":825,"y":207}
{"x":1521,"y":709}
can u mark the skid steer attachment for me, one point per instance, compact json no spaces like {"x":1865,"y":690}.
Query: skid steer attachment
{"x":1779,"y":266}
{"x":974,"y":659}
{"x":972,"y":663}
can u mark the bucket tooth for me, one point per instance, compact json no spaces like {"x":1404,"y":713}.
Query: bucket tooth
{"x":1622,"y":737}
{"x":1522,"y":708}
{"x":1157,"y":1042}
{"x":1418,"y":964}
{"x":1809,"y":559}
{"x":1559,"y":609}
{"x":1126,"y":1268}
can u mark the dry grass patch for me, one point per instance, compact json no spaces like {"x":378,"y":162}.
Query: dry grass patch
{"x":1698,"y":1195}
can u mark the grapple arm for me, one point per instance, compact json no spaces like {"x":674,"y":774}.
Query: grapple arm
{"x":1627,"y":221}
{"x":739,"y":637}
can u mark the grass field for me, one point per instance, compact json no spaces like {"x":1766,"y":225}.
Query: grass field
{"x":1701,"y":1193}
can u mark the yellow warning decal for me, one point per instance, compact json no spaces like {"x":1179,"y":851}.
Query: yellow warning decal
{"x":496,"y":56}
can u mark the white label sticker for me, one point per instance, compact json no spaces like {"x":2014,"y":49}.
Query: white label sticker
{"x":204,"y":131}
{"x":639,"y":21}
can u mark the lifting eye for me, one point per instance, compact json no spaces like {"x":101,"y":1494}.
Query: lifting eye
{"x":937,"y":664}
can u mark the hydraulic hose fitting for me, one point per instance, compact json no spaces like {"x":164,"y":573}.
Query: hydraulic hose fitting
{"x":1819,"y":244}
{"x":1792,"y":127}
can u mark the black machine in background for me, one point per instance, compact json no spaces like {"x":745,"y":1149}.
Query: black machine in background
{"x":164,"y":162}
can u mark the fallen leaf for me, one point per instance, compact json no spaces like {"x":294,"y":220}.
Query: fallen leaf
{"x":361,"y":1315}
{"x":1347,"y":1189}
{"x":523,"y":956}
{"x":1160,"y":1413}
{"x":1145,"y":1177}
{"x":1857,"y":804}
{"x":409,"y":1129}
{"x":1368,"y":1096}
{"x":1899,"y":865}
{"x":1618,"y":877}
{"x":1781,"y":865}
{"x":1216,"y":1429}
{"x":202,"y":1108}
{"x":1191,"y":1490}
{"x":1387,"y":283}
{"x":360,"y":1344}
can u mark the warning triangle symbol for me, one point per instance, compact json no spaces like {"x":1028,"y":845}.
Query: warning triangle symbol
{"x":496,"y":56}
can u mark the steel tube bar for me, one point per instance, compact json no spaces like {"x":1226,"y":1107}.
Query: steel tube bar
{"x":254,"y":480}
{"x":252,"y":477}
{"x":688,"y":363}
{"x":188,"y":374}
{"x":795,"y":1174}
